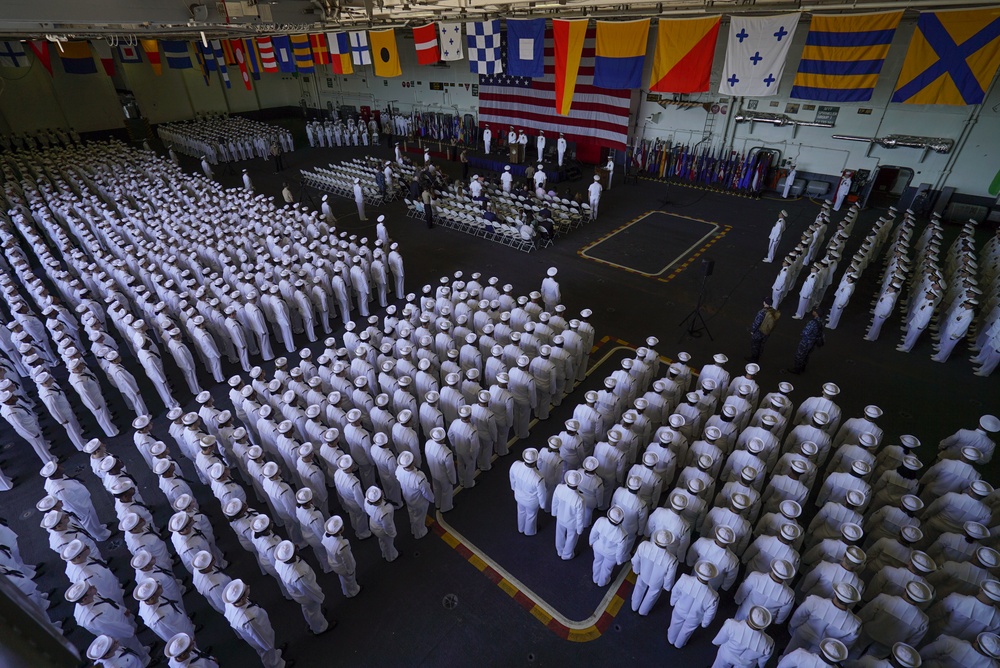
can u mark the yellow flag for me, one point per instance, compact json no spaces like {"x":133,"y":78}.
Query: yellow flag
{"x":385,"y":55}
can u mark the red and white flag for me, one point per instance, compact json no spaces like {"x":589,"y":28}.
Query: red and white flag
{"x":240,"y":55}
{"x":425,"y":39}
{"x":103,"y":50}
{"x":267,"y":60}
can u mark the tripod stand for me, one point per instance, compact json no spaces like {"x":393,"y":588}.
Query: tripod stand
{"x":697,"y":320}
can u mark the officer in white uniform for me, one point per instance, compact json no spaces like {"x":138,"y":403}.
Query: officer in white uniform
{"x":561,"y":148}
{"x":252,"y":624}
{"x":610,"y":544}
{"x":744,"y":644}
{"x":381,"y":522}
{"x":416,"y":491}
{"x":655,"y":568}
{"x":570,"y":511}
{"x":102,"y":616}
{"x":529,"y":490}
{"x":300,"y":581}
{"x":694,"y":602}
{"x":340,"y":556}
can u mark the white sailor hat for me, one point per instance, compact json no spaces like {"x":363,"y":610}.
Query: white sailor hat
{"x":846,"y":593}
{"x":373,"y":495}
{"x":334,"y":525}
{"x":790,"y":509}
{"x":919,"y":592}
{"x":855,"y":554}
{"x":590,"y":464}
{"x":146,"y":590}
{"x":616,"y":515}
{"x":203,"y":560}
{"x":872,"y":412}
{"x":759,"y":618}
{"x":851,"y":532}
{"x":911,"y":534}
{"x":790,"y":532}
{"x":922,"y":562}
{"x":235,"y":590}
{"x":285,"y":551}
{"x":705,"y":571}
{"x":438,"y":434}
{"x":724,"y":535}
{"x":911,"y":503}
{"x":101,"y":647}
{"x":77,"y":591}
{"x":833,"y":650}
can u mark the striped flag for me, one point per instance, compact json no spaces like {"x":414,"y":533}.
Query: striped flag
{"x":425,"y":39}
{"x":77,"y":58}
{"x":843,"y":56}
{"x":568,"y":38}
{"x":176,"y":54}
{"x":598,"y":116}
{"x":268,"y":62}
{"x":253,"y":57}
{"x":320,"y":51}
{"x":302,"y":52}
{"x":220,"y":60}
{"x":340,"y":53}
{"x":152,"y":49}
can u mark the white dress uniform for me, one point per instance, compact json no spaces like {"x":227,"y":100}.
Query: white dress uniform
{"x":352,"y":499}
{"x":655,"y":568}
{"x":210,"y":582}
{"x":694,"y":604}
{"x":338,"y":550}
{"x":528,"y":486}
{"x":571,"y":514}
{"x":889,"y":619}
{"x":252,"y":624}
{"x":441,"y":463}
{"x":417,"y":493}
{"x":727,"y":565}
{"x":817,"y":618}
{"x":610,"y":544}
{"x":962,"y":616}
{"x":312,"y":522}
{"x":300,"y":581}
{"x":760,"y":589}
{"x":774,"y":238}
{"x":741,"y":646}
{"x":382,"y":523}
{"x":163,"y":617}
{"x":76,"y":499}
{"x":105,"y":617}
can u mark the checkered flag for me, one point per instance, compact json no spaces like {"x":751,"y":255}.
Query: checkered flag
{"x":483,"y":42}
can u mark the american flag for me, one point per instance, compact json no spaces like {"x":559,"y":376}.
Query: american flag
{"x":598,"y":115}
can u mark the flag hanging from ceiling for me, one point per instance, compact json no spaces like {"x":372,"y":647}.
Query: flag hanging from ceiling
{"x":567,"y":40}
{"x":320,"y":52}
{"x":283,"y":53}
{"x":227,"y":53}
{"x":12,"y":55}
{"x":267,"y":60}
{"x":952,"y":58}
{"x":360,"y":53}
{"x":176,"y":53}
{"x":340,"y":52}
{"x":685,"y":51}
{"x":843,"y":56}
{"x":240,"y":55}
{"x":302,"y":52}
{"x":152,"y":51}
{"x":483,"y":42}
{"x":129,"y":53}
{"x":452,"y":44}
{"x":77,"y":58}
{"x":620,"y":54}
{"x":425,"y":39}
{"x":755,"y":54}
{"x":220,"y":60}
{"x":599,"y":115}
{"x":40,"y":47}
{"x":385,"y":55}
{"x":526,"y":47}
{"x":103,"y":51}
{"x":206,"y":60}
{"x":253,"y":57}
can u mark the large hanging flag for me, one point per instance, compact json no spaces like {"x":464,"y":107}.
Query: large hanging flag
{"x":360,"y":53}
{"x":526,"y":47}
{"x":220,"y":61}
{"x":755,"y":54}
{"x":452,"y":44}
{"x":340,"y":53}
{"x":685,"y":51}
{"x":600,"y":116}
{"x":483,"y":41}
{"x":425,"y":39}
{"x":320,"y":52}
{"x":621,"y":52}
{"x":176,"y":54}
{"x":240,"y":55}
{"x":385,"y":55}
{"x":267,"y":59}
{"x":40,"y":47}
{"x":567,"y":38}
{"x":253,"y":57}
{"x":129,"y":54}
{"x":152,"y":50}
{"x":77,"y":58}
{"x":302,"y":53}
{"x":206,"y":60}
{"x":843,"y":56}
{"x":103,"y":51}
{"x":952,"y":58}
{"x":283,"y":53}
{"x":12,"y":55}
